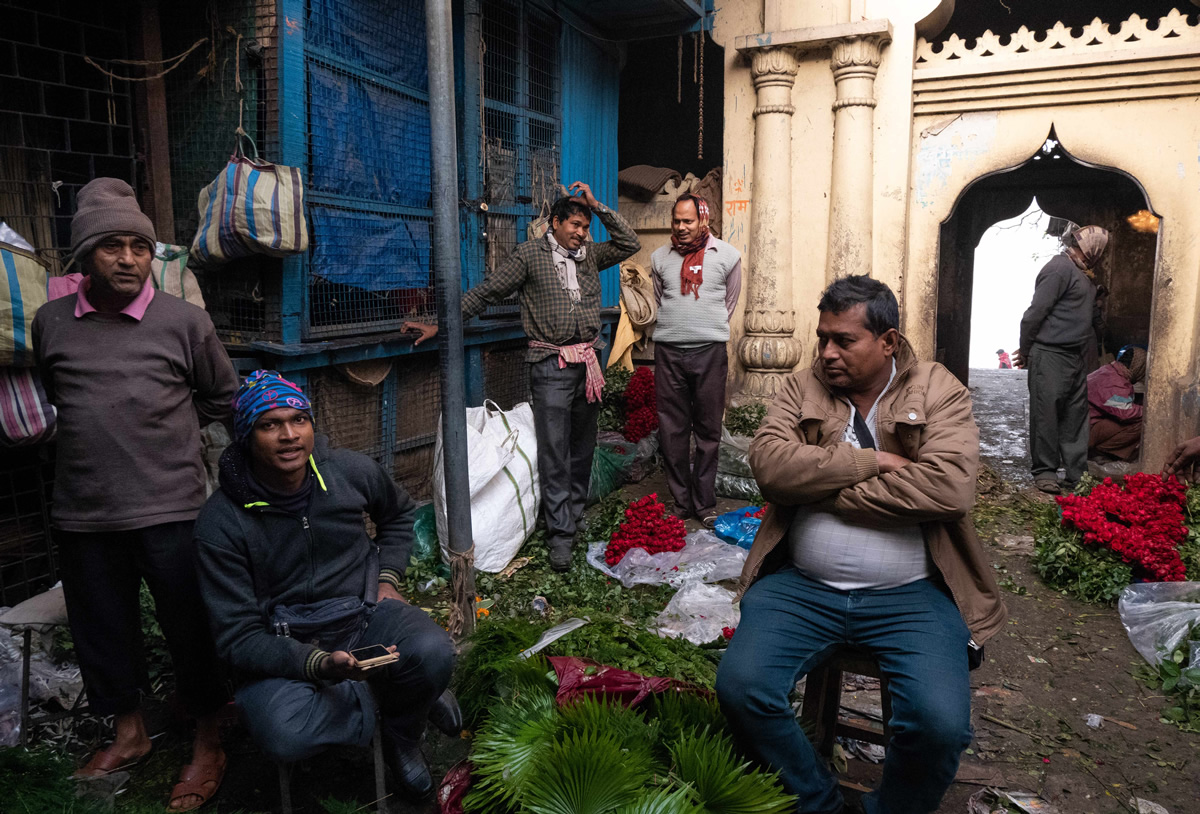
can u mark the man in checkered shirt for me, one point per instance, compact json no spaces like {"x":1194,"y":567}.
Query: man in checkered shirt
{"x":557,"y":279}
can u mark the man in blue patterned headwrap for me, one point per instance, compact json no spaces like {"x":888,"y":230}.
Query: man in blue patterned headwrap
{"x":293,"y":584}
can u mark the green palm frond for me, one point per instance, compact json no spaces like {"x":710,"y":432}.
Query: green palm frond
{"x":488,"y":655}
{"x":664,"y":801}
{"x":506,"y":747}
{"x":586,"y":772}
{"x":631,"y":729}
{"x":679,"y":713}
{"x":706,"y":762}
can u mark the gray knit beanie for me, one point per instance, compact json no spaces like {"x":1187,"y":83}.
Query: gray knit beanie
{"x":107,"y":206}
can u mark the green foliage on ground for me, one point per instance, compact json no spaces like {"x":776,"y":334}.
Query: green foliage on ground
{"x":1089,"y":573}
{"x":612,"y":404}
{"x":598,"y":757}
{"x":39,"y":782}
{"x":1179,"y":681}
{"x":745,"y":420}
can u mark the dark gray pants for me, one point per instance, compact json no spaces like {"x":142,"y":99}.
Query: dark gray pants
{"x":102,"y":575}
{"x":565,"y":424}
{"x":293,"y":720}
{"x":689,"y":386}
{"x":1058,"y":412}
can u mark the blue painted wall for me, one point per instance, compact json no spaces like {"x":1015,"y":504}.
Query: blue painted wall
{"x":591,"y":84}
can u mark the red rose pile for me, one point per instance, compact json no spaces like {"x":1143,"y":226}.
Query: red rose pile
{"x":641,"y":411}
{"x":1143,"y":522}
{"x":762,"y":510}
{"x":647,"y":526}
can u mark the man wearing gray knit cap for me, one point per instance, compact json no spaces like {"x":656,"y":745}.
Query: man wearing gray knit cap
{"x":134,"y":375}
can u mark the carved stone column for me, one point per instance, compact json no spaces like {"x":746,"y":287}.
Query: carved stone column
{"x":855,"y":61}
{"x":769,"y":350}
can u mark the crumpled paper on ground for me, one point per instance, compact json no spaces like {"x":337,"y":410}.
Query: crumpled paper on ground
{"x":703,"y":558}
{"x":698,"y":613}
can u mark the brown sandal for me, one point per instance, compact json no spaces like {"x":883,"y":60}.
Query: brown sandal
{"x":105,"y":762}
{"x":197,"y":780}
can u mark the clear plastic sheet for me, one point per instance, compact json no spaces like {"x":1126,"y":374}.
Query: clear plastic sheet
{"x":703,"y":558}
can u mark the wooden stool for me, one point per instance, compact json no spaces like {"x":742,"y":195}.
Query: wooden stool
{"x":381,"y":801}
{"x":820,"y":713}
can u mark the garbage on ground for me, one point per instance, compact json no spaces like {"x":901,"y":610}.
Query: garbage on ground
{"x":734,"y":476}
{"x":425,"y":536}
{"x":703,"y":558}
{"x":992,"y":800}
{"x":870,"y":752}
{"x":1159,"y":615}
{"x":503,"y":483}
{"x":1147,"y":807}
{"x":1093,"y":720}
{"x":541,"y":606}
{"x":698,"y":613}
{"x":553,"y":634}
{"x":739,"y":526}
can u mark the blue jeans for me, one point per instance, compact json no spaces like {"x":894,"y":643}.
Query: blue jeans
{"x":789,"y":626}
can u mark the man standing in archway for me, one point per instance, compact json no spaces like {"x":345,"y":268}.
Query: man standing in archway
{"x":1056,"y":331}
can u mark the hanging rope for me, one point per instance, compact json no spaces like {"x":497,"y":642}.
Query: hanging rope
{"x":700,"y":128}
{"x":679,"y":71}
{"x":462,"y":599}
{"x":169,"y":64}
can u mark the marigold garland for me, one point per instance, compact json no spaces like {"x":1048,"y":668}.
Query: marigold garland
{"x":647,"y":526}
{"x":1142,"y":522}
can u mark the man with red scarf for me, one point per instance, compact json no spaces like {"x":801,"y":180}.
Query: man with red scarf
{"x":697,"y":280}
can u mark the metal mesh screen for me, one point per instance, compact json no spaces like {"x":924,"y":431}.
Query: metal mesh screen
{"x":350,"y":414}
{"x":418,"y":408}
{"x":61,"y":121}
{"x":519,"y":115}
{"x":26,"y":553}
{"x":244,"y":299}
{"x":506,"y":373}
{"x":369,"y":166}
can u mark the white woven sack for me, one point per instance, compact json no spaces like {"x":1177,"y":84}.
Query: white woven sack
{"x":505,"y":491}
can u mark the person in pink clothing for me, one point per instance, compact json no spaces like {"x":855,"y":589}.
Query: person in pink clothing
{"x":1005,"y":361}
{"x":1114,"y":416}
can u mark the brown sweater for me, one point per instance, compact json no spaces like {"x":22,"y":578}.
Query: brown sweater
{"x":131,"y":398}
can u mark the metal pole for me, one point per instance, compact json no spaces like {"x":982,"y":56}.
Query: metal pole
{"x":447,"y":273}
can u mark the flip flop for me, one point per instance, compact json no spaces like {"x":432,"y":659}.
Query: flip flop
{"x":105,"y":762}
{"x":197,"y":780}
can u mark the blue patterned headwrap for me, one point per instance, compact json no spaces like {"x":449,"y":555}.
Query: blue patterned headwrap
{"x":263,"y":391}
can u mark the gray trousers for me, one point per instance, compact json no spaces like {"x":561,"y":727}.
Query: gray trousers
{"x":293,"y":720}
{"x":689,"y":386}
{"x":1058,"y":412}
{"x":565,"y":424}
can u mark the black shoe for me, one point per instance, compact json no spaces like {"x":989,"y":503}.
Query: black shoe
{"x":446,"y":716}
{"x":560,"y":557}
{"x":408,"y":765}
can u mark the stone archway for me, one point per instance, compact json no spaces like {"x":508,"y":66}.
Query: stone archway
{"x":1065,"y":188}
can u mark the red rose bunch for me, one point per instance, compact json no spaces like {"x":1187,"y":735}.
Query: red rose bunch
{"x":647,"y":526}
{"x":641,"y":412}
{"x":1143,"y":522}
{"x":762,"y":510}
{"x":727,"y":632}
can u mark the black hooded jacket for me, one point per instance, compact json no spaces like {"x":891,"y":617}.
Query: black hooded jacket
{"x":253,"y":557}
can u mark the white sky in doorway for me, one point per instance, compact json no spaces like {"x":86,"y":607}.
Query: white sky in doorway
{"x":1007,"y":261}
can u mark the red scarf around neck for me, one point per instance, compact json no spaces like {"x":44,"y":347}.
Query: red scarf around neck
{"x":691,"y":273}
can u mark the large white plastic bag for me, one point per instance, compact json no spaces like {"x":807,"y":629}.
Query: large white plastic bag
{"x":1158,"y":615}
{"x":703,"y":558}
{"x":505,"y":492}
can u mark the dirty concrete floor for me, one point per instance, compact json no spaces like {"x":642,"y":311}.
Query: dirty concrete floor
{"x":1057,"y":661}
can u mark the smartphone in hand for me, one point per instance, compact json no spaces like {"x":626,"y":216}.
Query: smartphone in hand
{"x":374,"y":655}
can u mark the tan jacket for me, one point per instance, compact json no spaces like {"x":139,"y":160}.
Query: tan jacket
{"x":799,"y":459}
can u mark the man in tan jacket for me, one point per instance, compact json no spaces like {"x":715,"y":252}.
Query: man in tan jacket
{"x":869,"y":461}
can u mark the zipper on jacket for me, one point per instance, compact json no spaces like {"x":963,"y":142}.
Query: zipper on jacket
{"x":311,"y":566}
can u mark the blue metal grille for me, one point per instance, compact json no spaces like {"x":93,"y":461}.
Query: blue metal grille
{"x":369,"y":196}
{"x":515,"y":80}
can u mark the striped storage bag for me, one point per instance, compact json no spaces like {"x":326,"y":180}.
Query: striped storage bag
{"x":169,"y":272}
{"x":252,"y":207}
{"x":26,"y":415}
{"x":23,"y":279}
